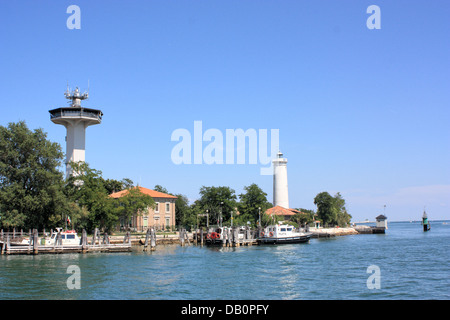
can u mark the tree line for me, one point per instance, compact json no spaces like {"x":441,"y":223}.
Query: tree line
{"x":35,"y":194}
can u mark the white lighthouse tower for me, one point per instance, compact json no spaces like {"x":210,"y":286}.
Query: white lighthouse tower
{"x":280,"y":182}
{"x":76,"y":119}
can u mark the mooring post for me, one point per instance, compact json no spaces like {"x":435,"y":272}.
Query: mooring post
{"x":105,"y":238}
{"x":127,"y":238}
{"x":84,"y":241}
{"x":29,"y":241}
{"x":98,"y":237}
{"x":201,"y":237}
{"x":187,"y":238}
{"x":180,"y":236}
{"x":8,"y":243}
{"x":153,"y":240}
{"x":147,"y":236}
{"x":224,"y":238}
{"x":59,"y":238}
{"x":93,"y":237}
{"x":233,"y":238}
{"x":35,"y":242}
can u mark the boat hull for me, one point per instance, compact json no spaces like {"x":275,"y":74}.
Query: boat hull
{"x":214,"y":242}
{"x":284,"y":240}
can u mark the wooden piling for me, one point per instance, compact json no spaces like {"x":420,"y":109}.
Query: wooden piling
{"x":181,"y":237}
{"x":236,"y":237}
{"x":105,"y":239}
{"x":153,"y":240}
{"x":147,"y":238}
{"x":35,"y":241}
{"x":8,"y":244}
{"x":29,"y":242}
{"x":187,"y":238}
{"x":84,"y":241}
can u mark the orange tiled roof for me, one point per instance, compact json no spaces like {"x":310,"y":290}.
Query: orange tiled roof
{"x":280,"y":211}
{"x":151,"y":193}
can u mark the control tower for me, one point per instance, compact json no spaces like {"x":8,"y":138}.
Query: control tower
{"x":76,"y":119}
{"x":280,"y":182}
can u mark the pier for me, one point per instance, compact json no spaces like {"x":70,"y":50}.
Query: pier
{"x":38,"y":243}
{"x":13,"y":243}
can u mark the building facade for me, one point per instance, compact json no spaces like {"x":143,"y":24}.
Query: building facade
{"x":161,"y":217}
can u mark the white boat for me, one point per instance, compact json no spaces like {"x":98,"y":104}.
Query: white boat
{"x":282,"y":234}
{"x":68,"y":238}
{"x":217,"y":235}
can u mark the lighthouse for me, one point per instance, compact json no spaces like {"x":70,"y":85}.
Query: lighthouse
{"x":76,"y":119}
{"x":280,"y":182}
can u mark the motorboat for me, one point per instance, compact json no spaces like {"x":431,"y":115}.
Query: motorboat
{"x":221,"y":235}
{"x":216,"y":235}
{"x":282,"y":234}
{"x":68,"y":238}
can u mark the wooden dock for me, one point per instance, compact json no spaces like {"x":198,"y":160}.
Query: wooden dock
{"x":10,"y":244}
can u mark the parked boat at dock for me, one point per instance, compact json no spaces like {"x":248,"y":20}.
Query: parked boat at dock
{"x":67,"y":238}
{"x":282,"y":234}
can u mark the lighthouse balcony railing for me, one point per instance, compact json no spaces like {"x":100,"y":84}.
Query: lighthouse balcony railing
{"x":84,"y":114}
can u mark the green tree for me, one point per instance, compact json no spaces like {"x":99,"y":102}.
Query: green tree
{"x":217,"y":200}
{"x":251,"y":204}
{"x":112,"y":185}
{"x":30,"y":183}
{"x":182,"y":211}
{"x":160,"y":188}
{"x":304,"y":217}
{"x":193,"y":217}
{"x":86,"y":188}
{"x":331,"y":210}
{"x":325,"y":207}
{"x":342,"y":217}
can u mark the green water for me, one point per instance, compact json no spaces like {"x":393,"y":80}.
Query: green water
{"x":412,"y":265}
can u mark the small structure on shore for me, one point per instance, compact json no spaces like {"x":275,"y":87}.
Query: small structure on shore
{"x":381,"y":221}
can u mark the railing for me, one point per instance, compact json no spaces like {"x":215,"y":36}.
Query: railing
{"x":70,"y":113}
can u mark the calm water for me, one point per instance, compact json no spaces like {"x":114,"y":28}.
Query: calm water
{"x":413,"y":265}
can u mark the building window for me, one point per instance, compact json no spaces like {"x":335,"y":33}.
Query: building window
{"x":167,"y":222}
{"x":167,"y":207}
{"x":157,"y":207}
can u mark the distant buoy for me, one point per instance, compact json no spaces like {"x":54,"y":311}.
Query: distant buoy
{"x":425,"y":223}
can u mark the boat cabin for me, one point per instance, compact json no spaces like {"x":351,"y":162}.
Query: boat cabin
{"x":280,"y":230}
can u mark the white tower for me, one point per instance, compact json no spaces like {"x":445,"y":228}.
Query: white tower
{"x":76,"y":119}
{"x":280,"y":182}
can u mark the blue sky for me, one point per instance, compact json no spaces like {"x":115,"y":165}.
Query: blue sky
{"x":361,"y":112}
